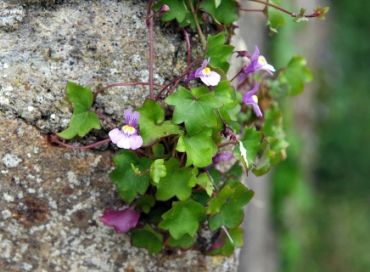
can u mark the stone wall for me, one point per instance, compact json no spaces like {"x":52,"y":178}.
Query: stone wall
{"x":51,"y":198}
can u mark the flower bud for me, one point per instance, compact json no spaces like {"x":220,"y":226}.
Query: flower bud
{"x":164,"y":9}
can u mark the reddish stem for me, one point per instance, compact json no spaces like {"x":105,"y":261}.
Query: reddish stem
{"x":176,"y":80}
{"x":234,"y":77}
{"x":56,"y":140}
{"x":150,"y":24}
{"x":188,"y":47}
{"x":182,"y":158}
{"x":292,"y":14}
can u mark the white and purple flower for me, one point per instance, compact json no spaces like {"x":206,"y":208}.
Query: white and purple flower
{"x":250,"y":98}
{"x":127,"y":137}
{"x":257,"y":63}
{"x":205,"y":74}
{"x":222,"y":156}
{"x":120,"y":220}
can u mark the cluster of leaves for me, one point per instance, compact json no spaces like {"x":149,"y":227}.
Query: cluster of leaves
{"x":189,"y":12}
{"x":173,"y":181}
{"x":277,"y":19}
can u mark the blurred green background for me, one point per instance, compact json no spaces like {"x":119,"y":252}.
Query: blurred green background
{"x":322,"y":211}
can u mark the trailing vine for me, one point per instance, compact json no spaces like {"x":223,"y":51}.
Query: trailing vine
{"x":184,"y":151}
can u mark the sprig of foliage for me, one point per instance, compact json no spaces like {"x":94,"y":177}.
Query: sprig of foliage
{"x":185,"y":155}
{"x":83,"y":120}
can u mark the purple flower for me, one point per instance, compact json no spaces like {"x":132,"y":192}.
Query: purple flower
{"x":222,"y":156}
{"x":205,"y":74}
{"x":127,"y":137}
{"x":257,"y":63}
{"x":121,"y":220}
{"x":250,"y":98}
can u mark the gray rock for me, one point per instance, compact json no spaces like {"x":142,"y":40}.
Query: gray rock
{"x":11,"y":160}
{"x":89,"y":42}
{"x":11,"y":16}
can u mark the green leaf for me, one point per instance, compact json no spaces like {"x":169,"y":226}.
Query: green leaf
{"x":183,"y":218}
{"x":184,"y":242}
{"x":274,"y":134}
{"x":235,"y":172}
{"x":152,"y":125}
{"x":200,"y":148}
{"x":224,"y":92}
{"x":147,"y":238}
{"x":322,"y":11}
{"x":205,"y":182}
{"x":178,"y":10}
{"x":200,"y":196}
{"x":158,"y":150}
{"x":178,"y":181}
{"x":218,"y":51}
{"x":196,"y":108}
{"x":276,"y":20}
{"x":295,"y":75}
{"x":231,"y":99}
{"x":262,"y":168}
{"x":80,"y":125}
{"x":215,"y":175}
{"x":227,"y":206}
{"x":128,"y":181}
{"x":224,"y":12}
{"x":229,"y":246}
{"x":158,"y":170}
{"x":252,"y":142}
{"x":145,"y":203}
{"x":274,"y":145}
{"x":80,"y":97}
{"x":83,"y":120}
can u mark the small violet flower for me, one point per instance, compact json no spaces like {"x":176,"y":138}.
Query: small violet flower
{"x":222,"y":156}
{"x":121,"y":220}
{"x":257,"y":63}
{"x":205,"y":74}
{"x":250,"y":98}
{"x":127,"y":137}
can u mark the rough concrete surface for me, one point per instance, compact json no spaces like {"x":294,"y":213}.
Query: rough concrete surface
{"x":90,"y":42}
{"x":51,"y":198}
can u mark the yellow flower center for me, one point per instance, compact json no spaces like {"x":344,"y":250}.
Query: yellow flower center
{"x":128,"y":129}
{"x":262,"y":60}
{"x":206,"y":71}
{"x":255,"y":98}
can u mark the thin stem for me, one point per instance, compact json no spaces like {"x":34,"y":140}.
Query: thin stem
{"x":55,"y":139}
{"x":201,"y":35}
{"x":182,"y":158}
{"x":292,"y":14}
{"x":252,"y":10}
{"x":150,"y":24}
{"x":226,"y":144}
{"x":188,"y":47}
{"x":175,"y":81}
{"x":234,"y":77}
{"x":228,"y":234}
